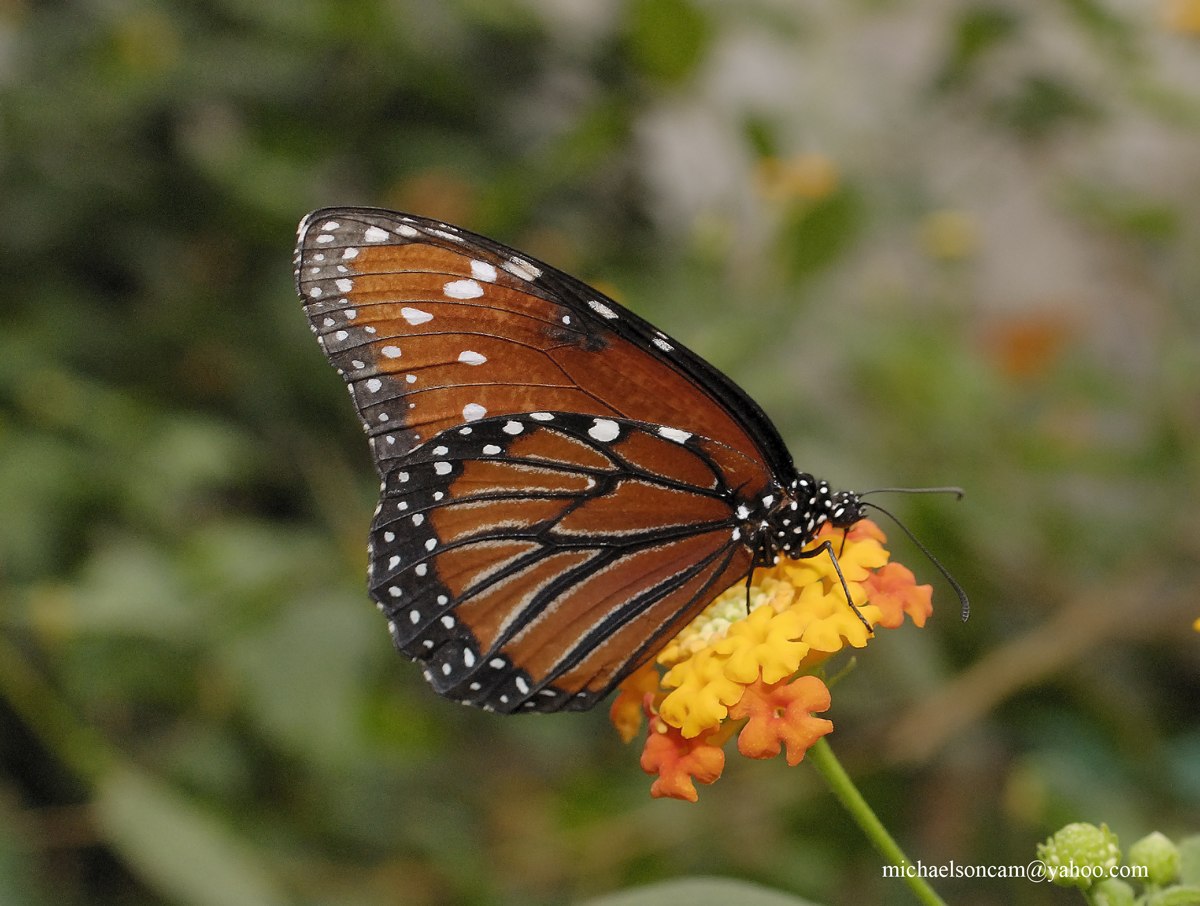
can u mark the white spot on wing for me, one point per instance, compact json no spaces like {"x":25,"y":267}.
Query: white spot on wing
{"x":392,"y":352}
{"x":473,"y":411}
{"x":601,"y":309}
{"x":513,"y":427}
{"x":463,"y":289}
{"x":375,"y":234}
{"x":374,"y":384}
{"x":519,"y":267}
{"x":415,"y":316}
{"x":481,"y":270}
{"x":673,"y":434}
{"x":604,"y":429}
{"x":471,"y":357}
{"x":442,"y":468}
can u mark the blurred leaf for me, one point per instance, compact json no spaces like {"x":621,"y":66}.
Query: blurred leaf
{"x":247,"y":566}
{"x":761,"y":134}
{"x":302,"y":674}
{"x":817,"y":233}
{"x":1129,"y":213}
{"x":667,"y":38}
{"x":976,"y":31}
{"x":42,"y":488}
{"x":700,"y":892}
{"x":131,"y":586}
{"x":186,"y":853}
{"x":20,"y":884}
{"x":1105,"y":25}
{"x":182,"y":459}
{"x":1043,"y":103}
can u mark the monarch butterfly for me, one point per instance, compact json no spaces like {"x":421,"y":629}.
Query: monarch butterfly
{"x":564,"y":486}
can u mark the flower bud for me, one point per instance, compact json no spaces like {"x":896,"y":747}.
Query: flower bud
{"x":1080,"y":854}
{"x":1160,"y":857}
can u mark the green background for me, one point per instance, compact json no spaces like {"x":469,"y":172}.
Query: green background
{"x":939,"y":242}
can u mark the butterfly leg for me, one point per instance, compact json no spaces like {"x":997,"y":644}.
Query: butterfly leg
{"x":826,"y":547}
{"x":762,"y":557}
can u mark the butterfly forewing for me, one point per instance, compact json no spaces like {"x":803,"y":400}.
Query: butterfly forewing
{"x":532,"y":562}
{"x":432,"y":326}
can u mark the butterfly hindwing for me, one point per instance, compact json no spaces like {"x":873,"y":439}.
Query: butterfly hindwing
{"x":530,"y":562}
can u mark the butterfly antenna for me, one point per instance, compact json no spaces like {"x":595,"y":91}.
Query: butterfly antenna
{"x":958,"y":493}
{"x":958,"y":589}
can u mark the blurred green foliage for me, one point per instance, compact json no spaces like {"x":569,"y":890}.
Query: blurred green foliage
{"x":939,"y":244}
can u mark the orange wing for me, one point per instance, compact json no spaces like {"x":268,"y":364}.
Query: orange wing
{"x":532,"y":562}
{"x":432,"y":326}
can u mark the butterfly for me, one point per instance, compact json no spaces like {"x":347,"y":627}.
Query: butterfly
{"x":564,"y":486}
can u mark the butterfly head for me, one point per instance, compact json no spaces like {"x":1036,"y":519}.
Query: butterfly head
{"x":845,"y":509}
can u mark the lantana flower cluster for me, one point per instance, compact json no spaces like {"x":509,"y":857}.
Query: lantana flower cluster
{"x":753,"y":671}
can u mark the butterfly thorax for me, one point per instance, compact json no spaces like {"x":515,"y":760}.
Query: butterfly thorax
{"x":794,"y":516}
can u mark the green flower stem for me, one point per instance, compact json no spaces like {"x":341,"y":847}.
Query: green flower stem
{"x":843,"y":787}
